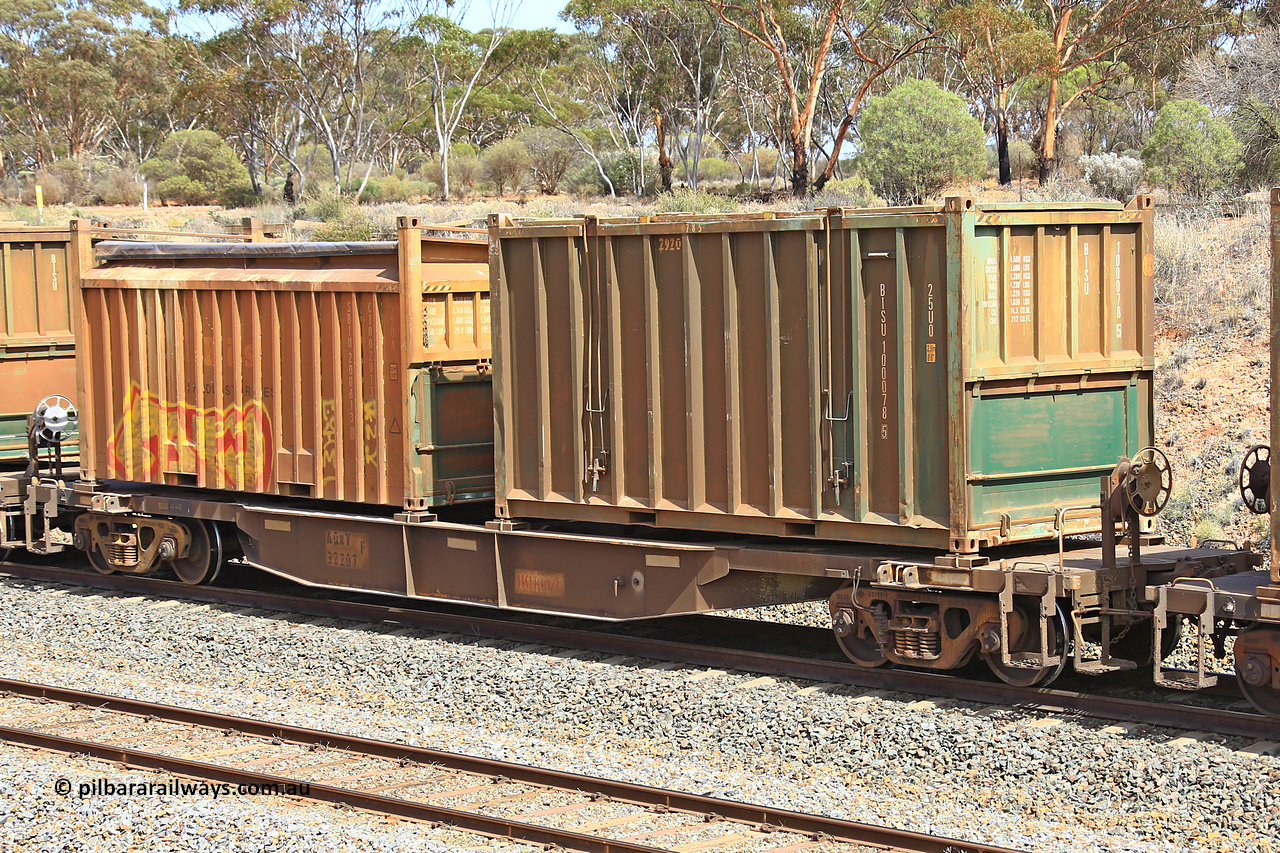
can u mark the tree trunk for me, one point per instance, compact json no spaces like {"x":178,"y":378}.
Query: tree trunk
{"x":252,"y":163}
{"x":799,"y":169}
{"x":1048,"y":146}
{"x":665,"y":166}
{"x":1002,"y":149}
{"x":834,"y":161}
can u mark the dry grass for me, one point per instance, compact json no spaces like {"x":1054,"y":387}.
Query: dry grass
{"x":1212,"y":271}
{"x":1212,"y":364}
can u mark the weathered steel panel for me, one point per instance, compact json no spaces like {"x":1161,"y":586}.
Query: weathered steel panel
{"x":292,"y":373}
{"x":942,"y":377}
{"x":37,"y":344}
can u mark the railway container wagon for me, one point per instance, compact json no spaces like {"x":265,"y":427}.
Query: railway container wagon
{"x":695,"y":413}
{"x":351,"y":372}
{"x":37,"y":338}
{"x":949,"y":377}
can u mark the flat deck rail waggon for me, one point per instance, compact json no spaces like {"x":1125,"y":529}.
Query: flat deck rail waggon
{"x":909,"y":413}
{"x":950,"y":377}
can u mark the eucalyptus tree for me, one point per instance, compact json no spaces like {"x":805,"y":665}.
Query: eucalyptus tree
{"x":71,"y":72}
{"x":682,"y":49}
{"x":248,"y":95}
{"x":1243,"y":86}
{"x":1094,"y":43}
{"x":453,"y":61}
{"x":873,"y":38}
{"x":998,"y":49}
{"x":567,"y":88}
{"x":325,"y":60}
{"x":797,"y":36}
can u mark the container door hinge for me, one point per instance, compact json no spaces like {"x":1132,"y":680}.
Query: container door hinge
{"x":839,"y":480}
{"x":598,"y":467}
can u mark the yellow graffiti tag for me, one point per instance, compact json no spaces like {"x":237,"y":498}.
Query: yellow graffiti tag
{"x":329,"y":435}
{"x":226,"y":447}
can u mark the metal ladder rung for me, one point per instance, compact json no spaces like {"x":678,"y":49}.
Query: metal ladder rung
{"x":1097,"y":667}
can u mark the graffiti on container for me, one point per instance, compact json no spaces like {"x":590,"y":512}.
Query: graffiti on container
{"x":156,"y":436}
{"x":329,"y":435}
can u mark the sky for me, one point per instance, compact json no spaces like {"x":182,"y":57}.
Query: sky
{"x":530,"y":15}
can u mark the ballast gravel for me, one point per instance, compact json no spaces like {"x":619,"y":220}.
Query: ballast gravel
{"x":974,"y":772}
{"x":36,"y":815}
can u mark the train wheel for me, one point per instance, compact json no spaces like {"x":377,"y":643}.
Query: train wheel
{"x":205,"y":555}
{"x":1027,"y":676}
{"x":99,"y":561}
{"x":1256,"y":668}
{"x":864,"y":651}
{"x":847,"y":623}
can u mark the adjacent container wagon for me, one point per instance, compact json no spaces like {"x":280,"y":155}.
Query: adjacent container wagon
{"x":37,"y":338}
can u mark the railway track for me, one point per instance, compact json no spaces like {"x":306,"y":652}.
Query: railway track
{"x":493,"y":798}
{"x":570,"y":634}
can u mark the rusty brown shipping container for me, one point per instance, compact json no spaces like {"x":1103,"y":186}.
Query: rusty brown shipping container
{"x":37,"y":342}
{"x":948,"y":377}
{"x":337,"y":371}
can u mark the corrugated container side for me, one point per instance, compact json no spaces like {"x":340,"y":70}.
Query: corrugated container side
{"x":892,"y":311}
{"x":939,"y":377}
{"x":696,"y":363}
{"x":279,"y":371}
{"x":37,"y":344}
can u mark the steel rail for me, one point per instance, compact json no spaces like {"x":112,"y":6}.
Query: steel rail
{"x":1166,"y":714}
{"x":853,"y":832}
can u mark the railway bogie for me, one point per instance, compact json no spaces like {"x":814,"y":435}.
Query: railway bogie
{"x":1026,"y":618}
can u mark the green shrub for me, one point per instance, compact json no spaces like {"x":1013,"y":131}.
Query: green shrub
{"x":715,"y":169}
{"x":51,"y":187}
{"x":1191,"y":151}
{"x":1207,"y":529}
{"x":181,"y":189}
{"x":120,"y":187}
{"x":685,"y":200}
{"x":918,"y":139}
{"x":1023,"y":160}
{"x":584,"y":180}
{"x":1112,"y":175}
{"x":196,"y":167}
{"x":326,"y":206}
{"x":240,"y":194}
{"x":73,"y":178}
{"x":854,"y":191}
{"x":352,"y":224}
{"x":552,"y":153}
{"x":505,"y":164}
